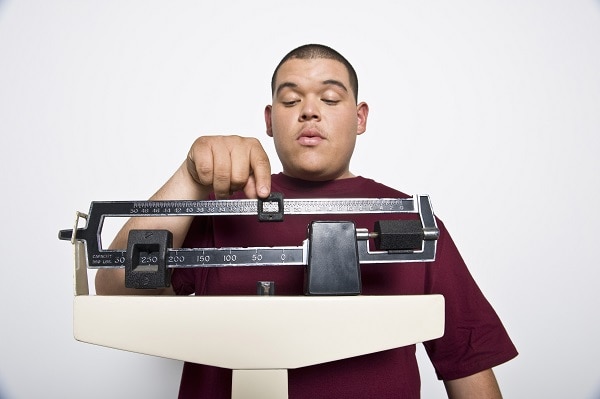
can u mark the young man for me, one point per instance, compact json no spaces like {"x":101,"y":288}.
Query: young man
{"x":314,"y":120}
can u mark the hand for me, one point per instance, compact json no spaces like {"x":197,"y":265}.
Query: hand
{"x":225,"y":164}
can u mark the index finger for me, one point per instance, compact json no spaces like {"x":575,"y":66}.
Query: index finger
{"x":261,"y":170}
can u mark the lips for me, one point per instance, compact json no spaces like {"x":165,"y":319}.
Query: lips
{"x":310,"y":137}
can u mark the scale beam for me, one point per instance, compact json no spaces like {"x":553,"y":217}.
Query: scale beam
{"x":152,"y":252}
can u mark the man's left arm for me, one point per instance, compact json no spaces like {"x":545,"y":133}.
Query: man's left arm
{"x":482,"y":385}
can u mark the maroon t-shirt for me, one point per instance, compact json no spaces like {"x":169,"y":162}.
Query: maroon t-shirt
{"x":474,"y":337}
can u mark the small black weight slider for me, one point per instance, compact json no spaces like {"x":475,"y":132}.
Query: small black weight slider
{"x":398,"y":235}
{"x":271,"y":208}
{"x":333,"y":264}
{"x":146,"y":259}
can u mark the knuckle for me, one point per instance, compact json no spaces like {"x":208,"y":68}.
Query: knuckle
{"x":204,"y":169}
{"x":221,"y":178}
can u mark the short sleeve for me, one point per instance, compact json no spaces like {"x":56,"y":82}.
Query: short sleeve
{"x":474,"y":338}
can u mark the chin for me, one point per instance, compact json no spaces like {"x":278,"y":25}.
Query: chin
{"x":312,"y":174}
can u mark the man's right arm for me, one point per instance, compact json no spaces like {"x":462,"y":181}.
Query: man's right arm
{"x":219,"y":164}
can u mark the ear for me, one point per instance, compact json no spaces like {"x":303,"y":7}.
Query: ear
{"x":268,"y":110}
{"x":362,"y":113}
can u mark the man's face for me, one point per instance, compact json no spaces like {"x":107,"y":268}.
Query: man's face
{"x":314,"y":119}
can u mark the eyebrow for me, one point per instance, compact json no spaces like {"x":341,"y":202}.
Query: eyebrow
{"x":325,"y":82}
{"x":284,"y":85}
{"x":335,"y":83}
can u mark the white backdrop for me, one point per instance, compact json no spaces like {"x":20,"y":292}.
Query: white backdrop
{"x":491,"y":108}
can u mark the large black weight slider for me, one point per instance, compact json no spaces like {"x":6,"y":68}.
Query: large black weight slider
{"x":398,"y":235}
{"x":146,"y":259}
{"x":333,"y":263}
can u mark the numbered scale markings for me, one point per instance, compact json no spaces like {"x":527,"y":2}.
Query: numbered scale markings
{"x":255,"y":256}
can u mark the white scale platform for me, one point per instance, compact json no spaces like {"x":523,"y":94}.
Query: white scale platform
{"x":258,"y":337}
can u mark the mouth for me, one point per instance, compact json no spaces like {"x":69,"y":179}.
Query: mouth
{"x":310,"y":137}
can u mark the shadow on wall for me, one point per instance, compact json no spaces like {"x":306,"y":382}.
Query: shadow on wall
{"x":595,"y":394}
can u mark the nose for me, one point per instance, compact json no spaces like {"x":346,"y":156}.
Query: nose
{"x":310,"y":111}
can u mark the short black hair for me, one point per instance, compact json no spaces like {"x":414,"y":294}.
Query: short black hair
{"x":315,"y":51}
